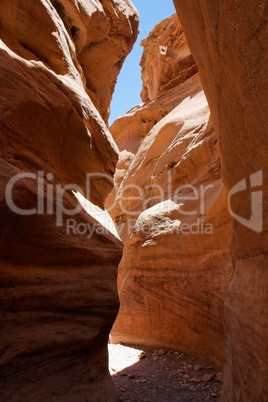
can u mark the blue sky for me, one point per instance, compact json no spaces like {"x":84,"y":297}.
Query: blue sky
{"x":128,"y":87}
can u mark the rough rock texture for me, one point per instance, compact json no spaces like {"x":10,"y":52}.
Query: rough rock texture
{"x":171,"y":211}
{"x":58,"y":297}
{"x":229,"y":43}
{"x":165,"y":64}
{"x":75,"y":38}
{"x":130,"y":130}
{"x":171,"y":67}
{"x":160,"y":375}
{"x":160,"y":80}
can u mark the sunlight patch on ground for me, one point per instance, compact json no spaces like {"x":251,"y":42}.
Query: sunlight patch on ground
{"x":121,"y":356}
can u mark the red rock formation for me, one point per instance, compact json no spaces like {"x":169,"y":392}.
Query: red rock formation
{"x":165,"y":64}
{"x":58,"y":293}
{"x":171,"y":211}
{"x":130,"y":130}
{"x":229,"y":43}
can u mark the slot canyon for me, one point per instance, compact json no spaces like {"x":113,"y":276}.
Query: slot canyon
{"x":151,"y":231}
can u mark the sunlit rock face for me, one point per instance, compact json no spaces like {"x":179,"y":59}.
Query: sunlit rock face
{"x":161,"y":73}
{"x":229,"y":43}
{"x":58,"y":265}
{"x":170,"y":207}
{"x":165,"y":64}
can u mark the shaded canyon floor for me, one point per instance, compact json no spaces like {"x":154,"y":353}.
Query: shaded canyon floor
{"x":147,"y":374}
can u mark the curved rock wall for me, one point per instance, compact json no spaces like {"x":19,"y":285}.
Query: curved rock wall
{"x":76,"y":37}
{"x":170,"y":208}
{"x":58,"y":264}
{"x":229,"y":43}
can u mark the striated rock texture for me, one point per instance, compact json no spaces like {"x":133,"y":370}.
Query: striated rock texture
{"x":76,"y":37}
{"x":229,"y":43}
{"x":160,"y":80}
{"x":171,"y":211}
{"x":58,"y":264}
{"x":165,"y":63}
{"x":130,"y":130}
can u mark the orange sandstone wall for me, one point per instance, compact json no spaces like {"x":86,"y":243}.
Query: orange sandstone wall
{"x":58,"y":297}
{"x":170,"y":207}
{"x":229,"y":42}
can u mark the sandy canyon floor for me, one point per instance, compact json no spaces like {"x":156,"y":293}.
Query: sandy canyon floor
{"x":147,"y":374}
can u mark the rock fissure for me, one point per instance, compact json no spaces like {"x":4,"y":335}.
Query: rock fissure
{"x":189,"y":202}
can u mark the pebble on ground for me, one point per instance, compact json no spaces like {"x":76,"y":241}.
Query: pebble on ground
{"x":146,"y":374}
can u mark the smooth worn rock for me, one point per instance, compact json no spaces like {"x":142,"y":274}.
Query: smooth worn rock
{"x":161,"y":75}
{"x":170,"y":208}
{"x":58,"y":296}
{"x":229,"y":43}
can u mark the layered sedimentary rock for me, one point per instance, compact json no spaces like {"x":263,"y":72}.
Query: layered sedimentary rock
{"x":159,"y":81}
{"x":58,"y":264}
{"x":130,"y":130}
{"x":170,"y":208}
{"x":229,"y":43}
{"x":165,"y":63}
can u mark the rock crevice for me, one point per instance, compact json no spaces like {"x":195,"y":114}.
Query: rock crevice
{"x":170,"y":207}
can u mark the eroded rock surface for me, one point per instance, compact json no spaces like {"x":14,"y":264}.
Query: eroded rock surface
{"x":58,"y":292}
{"x":76,"y":36}
{"x":171,"y":211}
{"x":165,"y":63}
{"x":229,"y":43}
